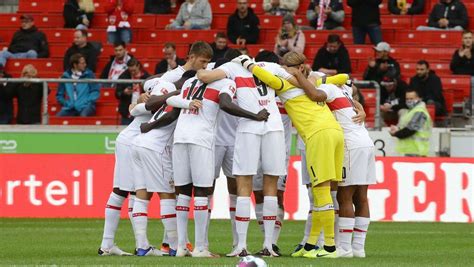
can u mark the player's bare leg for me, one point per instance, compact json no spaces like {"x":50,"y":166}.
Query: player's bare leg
{"x":242,"y":214}
{"x":362,"y":220}
{"x":182,"y":210}
{"x":270,"y":211}
{"x":232,"y":189}
{"x":112,"y":219}
{"x":346,"y":219}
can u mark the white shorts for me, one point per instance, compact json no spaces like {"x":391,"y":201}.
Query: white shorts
{"x":359,"y":167}
{"x":251,"y":148}
{"x":193,"y":164}
{"x":257,"y":183}
{"x":305,"y":180}
{"x":155,"y":170}
{"x":123,"y":171}
{"x":224,"y":156}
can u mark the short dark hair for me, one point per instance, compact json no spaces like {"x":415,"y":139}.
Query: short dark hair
{"x":83,"y":32}
{"x":201,"y":49}
{"x":221,"y":35}
{"x":133,"y":62}
{"x":467,"y":31}
{"x":232,"y":53}
{"x":267,"y":56}
{"x":333,"y":38}
{"x":75,"y":58}
{"x":120,"y":43}
{"x":412,"y":90}
{"x":170,"y":45}
{"x":423,"y":62}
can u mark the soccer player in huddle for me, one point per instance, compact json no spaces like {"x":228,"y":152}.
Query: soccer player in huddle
{"x":323,"y":138}
{"x":259,"y":137}
{"x":123,"y":184}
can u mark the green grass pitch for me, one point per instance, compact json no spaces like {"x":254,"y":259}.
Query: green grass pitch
{"x":75,"y":242}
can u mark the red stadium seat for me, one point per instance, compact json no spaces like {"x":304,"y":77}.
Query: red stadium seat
{"x":38,"y":6}
{"x":408,"y":68}
{"x":178,"y":36}
{"x":416,"y":53}
{"x":163,"y":20}
{"x":360,"y":51}
{"x":396,"y":22}
{"x":427,"y":37}
{"x":460,"y":83}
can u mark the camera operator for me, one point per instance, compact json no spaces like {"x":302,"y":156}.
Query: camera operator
{"x":289,"y":38}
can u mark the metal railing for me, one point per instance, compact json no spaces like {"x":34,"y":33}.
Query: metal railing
{"x":45,"y":82}
{"x":373,"y":84}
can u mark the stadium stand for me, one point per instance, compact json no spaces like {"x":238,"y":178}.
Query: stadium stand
{"x":408,"y":46}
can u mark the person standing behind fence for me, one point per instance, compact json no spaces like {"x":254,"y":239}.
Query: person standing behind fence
{"x":77,"y":99}
{"x":128,"y":93}
{"x":29,"y":97}
{"x":414,"y":127}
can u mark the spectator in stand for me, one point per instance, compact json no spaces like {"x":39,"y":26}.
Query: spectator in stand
{"x":447,"y":15}
{"x":77,"y":99}
{"x":414,"y":128}
{"x":28,"y":42}
{"x":29,"y":97}
{"x":382,"y":64}
{"x":406,"y":7}
{"x":243,"y":25}
{"x":117,"y":63}
{"x":193,"y":15}
{"x":6,"y":101}
{"x":289,"y":38}
{"x":366,"y":20}
{"x":129,"y":93}
{"x":326,"y":14}
{"x":219,"y":46}
{"x":280,"y":7}
{"x":157,"y":7}
{"x":119,"y":12}
{"x":463,"y":61}
{"x":81,"y":46}
{"x":392,"y":98}
{"x":78,"y":13}
{"x":429,"y":87}
{"x":333,"y":57}
{"x":171,"y":60}
{"x":243,"y":51}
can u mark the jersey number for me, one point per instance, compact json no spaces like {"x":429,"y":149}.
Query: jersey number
{"x":159,"y":112}
{"x":261,"y":87}
{"x":198,"y":93}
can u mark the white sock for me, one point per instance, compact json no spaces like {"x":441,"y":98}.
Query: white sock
{"x":112,"y":219}
{"x":168,"y":218}
{"x":201,"y":213}
{"x":259,"y":216}
{"x":131,"y":202}
{"x":232,"y":202}
{"x":242,"y":220}
{"x":270,"y":211}
{"x":309,"y":219}
{"x":206,"y":235}
{"x":140,"y":220}
{"x":360,"y":232}
{"x":336,"y":217}
{"x":182,"y":210}
{"x":346,"y":227}
{"x":278,"y":225}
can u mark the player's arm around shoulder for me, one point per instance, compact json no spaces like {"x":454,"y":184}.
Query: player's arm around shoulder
{"x":209,"y":76}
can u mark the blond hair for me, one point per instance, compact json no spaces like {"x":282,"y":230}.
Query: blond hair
{"x":295,"y":59}
{"x":29,"y":69}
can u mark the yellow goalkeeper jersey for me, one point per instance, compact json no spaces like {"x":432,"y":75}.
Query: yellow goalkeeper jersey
{"x":308,"y":117}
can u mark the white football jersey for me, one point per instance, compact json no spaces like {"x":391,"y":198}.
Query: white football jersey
{"x":173,"y":75}
{"x":158,"y":139}
{"x":226,"y":127}
{"x":253,"y":95}
{"x":340,"y":102}
{"x":199,"y":126}
{"x":127,"y":135}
